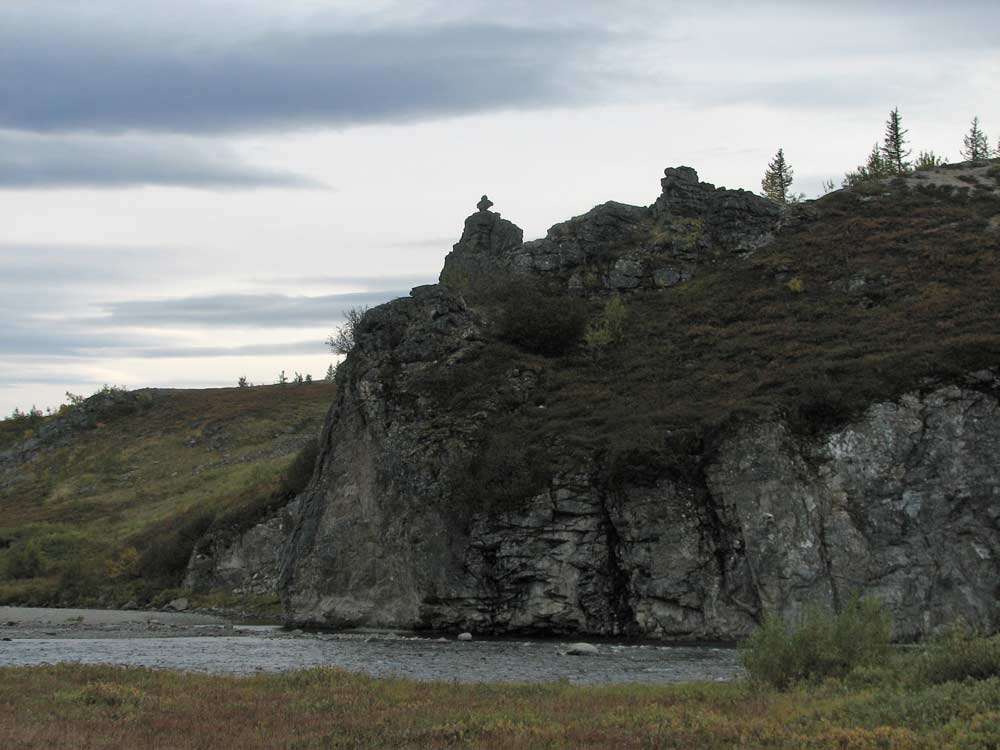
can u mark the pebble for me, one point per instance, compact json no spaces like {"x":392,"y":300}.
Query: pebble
{"x":465,"y":636}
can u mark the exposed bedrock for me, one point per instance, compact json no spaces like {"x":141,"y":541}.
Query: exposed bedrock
{"x":903,"y":503}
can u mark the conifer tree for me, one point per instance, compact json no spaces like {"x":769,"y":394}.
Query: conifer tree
{"x":894,"y":149}
{"x":975,"y":145}
{"x":331,"y":374}
{"x":778,"y":178}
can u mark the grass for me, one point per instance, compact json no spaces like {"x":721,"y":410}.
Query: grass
{"x":113,"y":514}
{"x":110,"y":707}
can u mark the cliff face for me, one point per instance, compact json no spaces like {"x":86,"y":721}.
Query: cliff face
{"x":765,"y":511}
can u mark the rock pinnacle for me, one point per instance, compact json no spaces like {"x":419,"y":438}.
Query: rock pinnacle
{"x":485,"y":204}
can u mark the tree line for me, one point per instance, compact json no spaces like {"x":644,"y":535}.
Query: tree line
{"x":888,"y":158}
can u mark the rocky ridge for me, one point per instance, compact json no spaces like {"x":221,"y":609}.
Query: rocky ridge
{"x":901,"y":501}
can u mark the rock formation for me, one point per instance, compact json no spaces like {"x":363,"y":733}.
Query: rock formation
{"x":901,"y":501}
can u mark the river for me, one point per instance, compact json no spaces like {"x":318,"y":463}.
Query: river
{"x":204,"y":644}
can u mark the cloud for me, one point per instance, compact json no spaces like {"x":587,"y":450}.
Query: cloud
{"x":306,"y":346}
{"x":64,"y":339}
{"x":72,"y":265}
{"x":98,"y":77}
{"x":31,"y":161}
{"x":244,"y":310}
{"x":371,"y":283}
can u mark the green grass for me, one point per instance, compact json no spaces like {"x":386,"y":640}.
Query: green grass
{"x":113,"y":514}
{"x":109,"y":707}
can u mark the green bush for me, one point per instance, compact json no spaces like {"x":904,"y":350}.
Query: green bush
{"x":166,"y":548}
{"x":823,"y":644}
{"x":23,"y":560}
{"x":959,"y":655}
{"x":611,"y":327}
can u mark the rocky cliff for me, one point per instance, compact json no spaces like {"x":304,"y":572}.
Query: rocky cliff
{"x":797,"y":405}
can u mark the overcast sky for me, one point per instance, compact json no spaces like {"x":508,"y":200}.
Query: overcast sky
{"x":195,"y":191}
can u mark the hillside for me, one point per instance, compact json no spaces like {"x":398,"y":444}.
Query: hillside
{"x":673,"y":420}
{"x":103,"y":505}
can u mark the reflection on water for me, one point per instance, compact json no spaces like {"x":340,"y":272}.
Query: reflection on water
{"x":418,"y":658}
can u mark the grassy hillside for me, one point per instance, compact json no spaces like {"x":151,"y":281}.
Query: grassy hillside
{"x":864,"y":294}
{"x":107,"y":508}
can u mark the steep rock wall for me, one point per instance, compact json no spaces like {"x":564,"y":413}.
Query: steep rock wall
{"x":903,"y":503}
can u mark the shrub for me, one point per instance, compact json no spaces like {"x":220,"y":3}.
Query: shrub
{"x":822,"y":645}
{"x":542,"y":324}
{"x":611,"y":326}
{"x":961,"y":654}
{"x":166,"y":547}
{"x":23,"y":560}
{"x":343,"y":339}
{"x":503,"y":475}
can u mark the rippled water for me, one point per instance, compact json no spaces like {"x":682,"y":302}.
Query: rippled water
{"x":418,"y":658}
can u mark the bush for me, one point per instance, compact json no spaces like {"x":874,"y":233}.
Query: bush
{"x":504,"y":475}
{"x":959,"y":655}
{"x":823,"y":644}
{"x":166,"y":547}
{"x":343,"y":339}
{"x":611,"y":327}
{"x":549,"y":325}
{"x":23,"y":560}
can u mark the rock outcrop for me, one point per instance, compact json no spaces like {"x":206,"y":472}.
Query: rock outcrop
{"x":902,"y":501}
{"x":616,"y":247}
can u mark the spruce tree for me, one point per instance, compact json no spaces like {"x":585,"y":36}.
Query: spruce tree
{"x":778,"y":178}
{"x":894,"y":148}
{"x":331,"y":374}
{"x":975,"y":145}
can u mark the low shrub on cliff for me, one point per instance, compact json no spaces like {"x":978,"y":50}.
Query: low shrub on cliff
{"x":541,"y":323}
{"x":823,"y":644}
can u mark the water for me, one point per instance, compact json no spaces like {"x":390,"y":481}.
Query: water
{"x":417,"y":658}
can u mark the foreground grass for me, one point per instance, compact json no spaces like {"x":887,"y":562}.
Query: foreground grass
{"x":110,"y":707}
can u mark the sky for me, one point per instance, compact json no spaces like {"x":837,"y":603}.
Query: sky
{"x":191,"y":192}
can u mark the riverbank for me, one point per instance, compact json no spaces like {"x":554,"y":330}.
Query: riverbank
{"x":108,"y":707}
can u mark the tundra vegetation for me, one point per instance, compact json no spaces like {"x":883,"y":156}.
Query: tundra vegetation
{"x":105,"y":502}
{"x":944,"y":694}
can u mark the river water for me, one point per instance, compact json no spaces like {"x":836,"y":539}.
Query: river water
{"x":224,"y":650}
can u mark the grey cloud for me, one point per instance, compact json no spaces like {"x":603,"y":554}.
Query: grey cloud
{"x":244,"y":310}
{"x":30,"y":161}
{"x":57,"y":79}
{"x":45,"y":266}
{"x":63,"y":339}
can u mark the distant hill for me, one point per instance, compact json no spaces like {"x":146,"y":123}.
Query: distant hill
{"x":104,"y":504}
